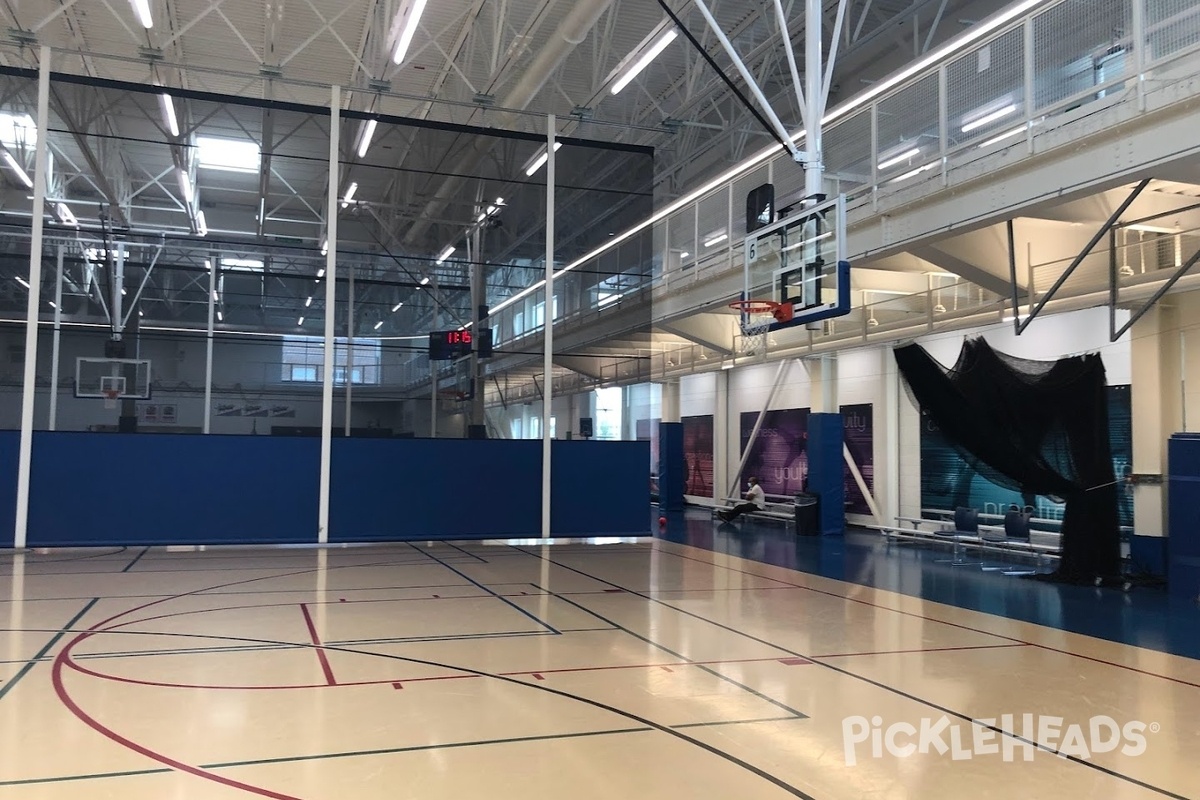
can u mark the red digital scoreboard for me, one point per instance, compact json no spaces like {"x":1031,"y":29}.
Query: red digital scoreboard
{"x":451,"y":345}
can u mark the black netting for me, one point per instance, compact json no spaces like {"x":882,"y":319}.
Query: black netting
{"x":1040,"y":428}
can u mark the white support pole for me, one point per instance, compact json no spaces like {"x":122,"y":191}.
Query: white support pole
{"x":349,"y":348}
{"x":29,"y":385}
{"x":789,"y":51}
{"x":814,"y":168}
{"x":331,"y":204}
{"x":752,"y":84}
{"x":548,"y":325}
{"x":208,"y":344}
{"x":433,"y":367}
{"x":54,"y":354}
{"x":862,"y":484}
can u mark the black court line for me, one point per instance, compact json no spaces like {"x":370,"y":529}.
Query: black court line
{"x":536,"y":686}
{"x":41,"y":654}
{"x":199,"y":570}
{"x":33,"y":559}
{"x":490,"y":591}
{"x":468,"y":552}
{"x":310,"y":591}
{"x":682,"y":657}
{"x":387,"y":751}
{"x":129,"y":566}
{"x":878,"y":684}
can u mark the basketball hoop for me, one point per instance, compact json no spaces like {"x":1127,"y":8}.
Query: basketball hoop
{"x":110,"y":397}
{"x":757,"y":318}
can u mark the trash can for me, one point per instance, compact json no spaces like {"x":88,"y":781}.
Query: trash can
{"x":808,"y":514}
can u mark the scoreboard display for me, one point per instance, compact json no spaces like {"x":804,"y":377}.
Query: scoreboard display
{"x":452,"y":345}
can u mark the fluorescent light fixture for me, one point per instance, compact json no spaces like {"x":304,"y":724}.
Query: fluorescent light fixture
{"x":727,"y":365}
{"x":641,"y":63}
{"x":18,"y":169}
{"x":499,"y":201}
{"x":425,"y":280}
{"x":396,"y":307}
{"x":124,"y":291}
{"x":202,"y":224}
{"x":22,"y":281}
{"x":379,"y":325}
{"x":168,"y":111}
{"x":66,"y":216}
{"x":813,"y":240}
{"x":324,"y":247}
{"x":1003,"y":136}
{"x":185,"y":186}
{"x":17,"y":130}
{"x":300,"y":322}
{"x":913,"y":173}
{"x":216,"y":297}
{"x":715,"y":239}
{"x":901,"y":158}
{"x":988,"y":119}
{"x":320,"y":274}
{"x":410,"y":13}
{"x":231,"y":155}
{"x":364,"y":142}
{"x":141,"y":313}
{"x":308,"y":302}
{"x":958,"y":44}
{"x":685,"y":254}
{"x":220,"y":316}
{"x":142,"y":7}
{"x":243,"y":264}
{"x":449,"y":251}
{"x":491,"y":210}
{"x":52,"y":305}
{"x":349,"y":194}
{"x":539,"y":160}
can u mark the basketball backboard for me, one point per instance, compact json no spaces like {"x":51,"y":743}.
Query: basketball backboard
{"x":800,"y":260}
{"x":100,"y":377}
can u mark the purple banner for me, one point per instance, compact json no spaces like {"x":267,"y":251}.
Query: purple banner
{"x":698,"y":455}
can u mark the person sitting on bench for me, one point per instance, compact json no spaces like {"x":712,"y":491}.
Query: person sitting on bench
{"x":755,"y":501}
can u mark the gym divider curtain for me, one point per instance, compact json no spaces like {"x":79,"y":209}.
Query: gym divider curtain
{"x":1038,"y":427}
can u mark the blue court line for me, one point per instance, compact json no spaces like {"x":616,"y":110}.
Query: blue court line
{"x":682,"y":657}
{"x":878,"y":684}
{"x":490,"y":591}
{"x":387,"y":751}
{"x":129,"y":566}
{"x":6,"y":688}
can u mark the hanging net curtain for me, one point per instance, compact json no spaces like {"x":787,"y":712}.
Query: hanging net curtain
{"x":1037,"y":427}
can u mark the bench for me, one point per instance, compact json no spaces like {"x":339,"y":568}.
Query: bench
{"x":914,"y":533}
{"x":777,"y":507}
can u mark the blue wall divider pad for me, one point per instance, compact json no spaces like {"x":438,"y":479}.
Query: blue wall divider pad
{"x":599,"y":488}
{"x":9,"y":442}
{"x":1183,"y":515}
{"x":104,"y":489}
{"x":396,"y":489}
{"x":825,"y":470}
{"x":672,"y":467}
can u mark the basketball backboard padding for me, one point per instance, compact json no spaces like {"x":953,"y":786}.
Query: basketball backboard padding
{"x":96,"y":376}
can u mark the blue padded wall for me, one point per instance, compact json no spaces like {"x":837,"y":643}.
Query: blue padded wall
{"x":9,"y":441}
{"x":1183,"y":515}
{"x":599,"y":488}
{"x":825,"y":470}
{"x":110,"y":489}
{"x":393,"y":489}
{"x":671,"y":467}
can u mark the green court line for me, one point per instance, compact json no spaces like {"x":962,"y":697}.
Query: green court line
{"x":31,"y":663}
{"x":387,"y":751}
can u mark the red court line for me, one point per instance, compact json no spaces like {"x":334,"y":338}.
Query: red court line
{"x":1047,"y":648}
{"x":319,"y":648}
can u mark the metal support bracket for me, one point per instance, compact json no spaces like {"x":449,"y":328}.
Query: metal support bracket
{"x":1116,"y":333}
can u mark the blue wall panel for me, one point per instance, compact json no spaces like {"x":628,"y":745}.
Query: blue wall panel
{"x":599,"y":488}
{"x":109,"y":489}
{"x":390,"y":489}
{"x":825,"y":470}
{"x":9,"y":442}
{"x":671,"y":467}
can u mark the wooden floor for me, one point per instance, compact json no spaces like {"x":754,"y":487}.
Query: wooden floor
{"x":634,"y":669}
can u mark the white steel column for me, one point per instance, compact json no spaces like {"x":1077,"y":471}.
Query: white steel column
{"x":814,"y":169}
{"x":433,"y":372}
{"x":208,"y":344}
{"x":548,"y":325}
{"x":780,"y":374}
{"x":721,"y":434}
{"x":54,"y":351}
{"x":331,"y":205}
{"x":29,"y":385}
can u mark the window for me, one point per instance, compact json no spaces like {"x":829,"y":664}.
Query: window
{"x":539,"y":313}
{"x":604,"y":298}
{"x":232,"y":155}
{"x":554,"y":427}
{"x":303,"y":358}
{"x":535,"y":427}
{"x":609,"y":404}
{"x":518,"y":324}
{"x":1109,"y":66}
{"x":16,"y":131}
{"x":242,"y":264}
{"x":514,"y":428}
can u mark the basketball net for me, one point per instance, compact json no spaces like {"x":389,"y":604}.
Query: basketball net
{"x":110,"y":397}
{"x":757,"y":317}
